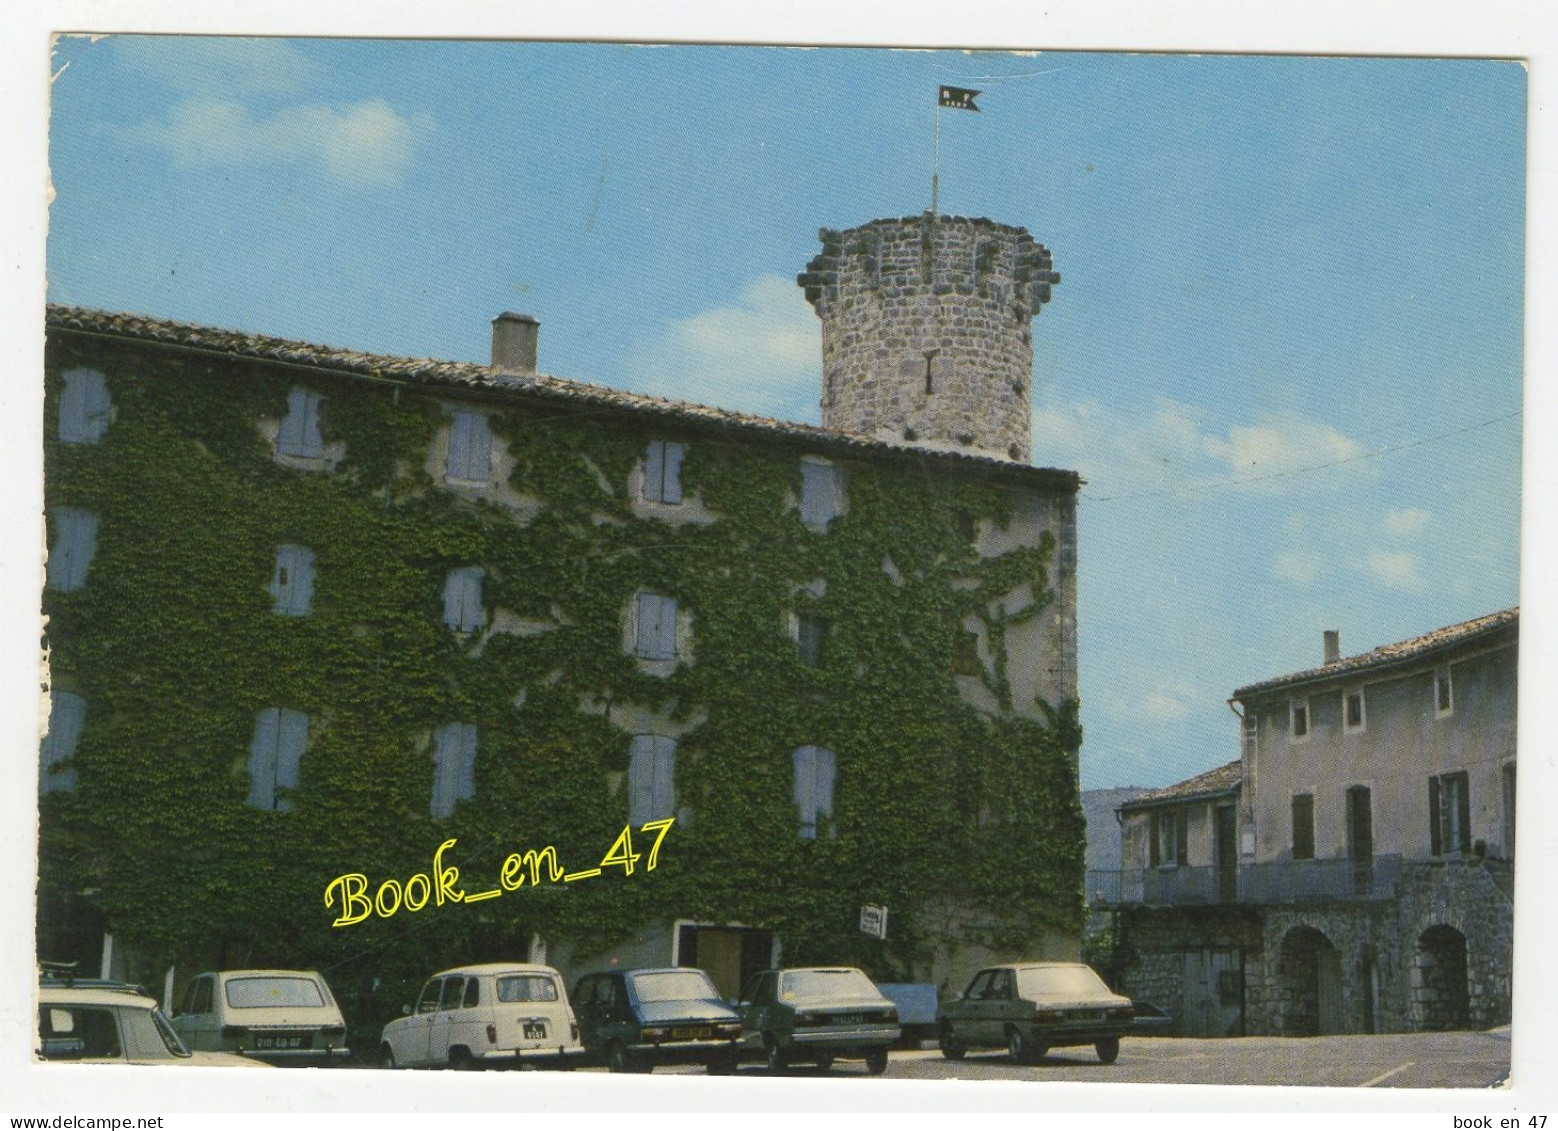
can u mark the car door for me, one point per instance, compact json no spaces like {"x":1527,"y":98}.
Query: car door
{"x":446,"y":1020}
{"x":196,"y":1022}
{"x":1002,"y":1005}
{"x":411,"y":1039}
{"x":967,"y":1014}
{"x":757,"y":1004}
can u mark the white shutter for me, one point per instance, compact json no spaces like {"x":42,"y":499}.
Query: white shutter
{"x":665,"y":777}
{"x":447,"y":743}
{"x":299,"y":433}
{"x":805,"y":758}
{"x":313,"y":440}
{"x":262,"y":759}
{"x":74,"y":545}
{"x":472,"y":615}
{"x":84,"y":407}
{"x":292,"y":584}
{"x":665,"y":629}
{"x":645,"y":631}
{"x":67,"y":714}
{"x":291,"y":738}
{"x":654,"y":472}
{"x":641,"y":779}
{"x":826,"y":767}
{"x":819,"y":493}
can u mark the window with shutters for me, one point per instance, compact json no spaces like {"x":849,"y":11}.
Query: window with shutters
{"x":663,"y":472}
{"x":274,"y":756}
{"x":1166,"y":843}
{"x":67,"y":714}
{"x":470,"y":449}
{"x":822,"y":494}
{"x":815,"y":770}
{"x":654,"y":627}
{"x":84,"y":407}
{"x":463,"y":609}
{"x":811,"y":632}
{"x":299,"y":434}
{"x":454,"y":768}
{"x":1353,"y":711}
{"x":292,"y":583}
{"x":1444,"y":692}
{"x":1298,"y":720}
{"x":1303,"y":826}
{"x":1449,"y":814}
{"x":651,"y":778}
{"x":75,"y":542}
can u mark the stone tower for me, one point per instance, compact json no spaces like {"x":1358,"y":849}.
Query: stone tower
{"x":926,"y":330}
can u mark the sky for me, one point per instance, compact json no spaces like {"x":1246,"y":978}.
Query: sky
{"x":1285,"y":354}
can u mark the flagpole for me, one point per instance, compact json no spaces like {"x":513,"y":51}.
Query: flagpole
{"x":935,"y":172}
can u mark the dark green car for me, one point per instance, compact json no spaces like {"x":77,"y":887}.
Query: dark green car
{"x":817,"y":1014}
{"x":1031,"y":1007}
{"x":636,"y":1019}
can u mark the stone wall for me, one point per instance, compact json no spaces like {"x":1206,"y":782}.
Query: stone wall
{"x":1150,"y":959}
{"x":925,"y":330}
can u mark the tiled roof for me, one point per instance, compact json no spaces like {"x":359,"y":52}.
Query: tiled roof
{"x":1213,"y":783}
{"x":482,"y":378}
{"x":1389,"y":654}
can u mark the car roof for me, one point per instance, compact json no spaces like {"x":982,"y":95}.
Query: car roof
{"x":496,"y":968}
{"x":88,"y":995}
{"x":259,"y":974}
{"x":820,"y":970}
{"x":1040,"y":966}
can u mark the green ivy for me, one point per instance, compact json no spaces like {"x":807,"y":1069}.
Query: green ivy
{"x":173,"y":644}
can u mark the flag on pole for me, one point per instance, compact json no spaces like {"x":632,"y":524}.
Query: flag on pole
{"x":956,"y":98}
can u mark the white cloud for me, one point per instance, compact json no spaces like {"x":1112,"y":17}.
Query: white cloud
{"x":1407,"y":523}
{"x":1396,"y":568}
{"x":1298,"y":566}
{"x":366,"y":143}
{"x":1279,"y":444}
{"x":760,"y":353}
{"x":1164,"y":705}
{"x":230,"y":65}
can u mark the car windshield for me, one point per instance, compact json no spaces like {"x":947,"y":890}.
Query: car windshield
{"x":825,"y":983}
{"x":1060,"y":981}
{"x":527,"y":987}
{"x":169,"y":1037}
{"x":682,"y":985}
{"x":260,"y":993}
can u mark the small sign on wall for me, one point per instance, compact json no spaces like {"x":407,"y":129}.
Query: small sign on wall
{"x":873,"y":921}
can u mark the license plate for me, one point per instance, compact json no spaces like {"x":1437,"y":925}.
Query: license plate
{"x":693,"y":1033}
{"x":849,"y":1019}
{"x":283,"y":1041}
{"x":535,"y":1030}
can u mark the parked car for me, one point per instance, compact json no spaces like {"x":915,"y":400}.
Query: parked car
{"x":636,"y":1019}
{"x":1032,"y":1007}
{"x":496,"y":1015}
{"x":817,"y":1014}
{"x":101,"y":1022}
{"x":279,"y":1016}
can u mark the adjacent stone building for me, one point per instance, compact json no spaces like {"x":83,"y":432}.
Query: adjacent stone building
{"x":1353,"y":870}
{"x":312,"y":613}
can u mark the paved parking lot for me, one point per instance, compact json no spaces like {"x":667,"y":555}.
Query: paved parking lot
{"x":1399,"y":1060}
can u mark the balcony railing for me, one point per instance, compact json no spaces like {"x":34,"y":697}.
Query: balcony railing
{"x":1289,"y":881}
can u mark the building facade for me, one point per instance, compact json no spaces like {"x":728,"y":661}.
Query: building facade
{"x":1353,"y":870}
{"x":313,"y":614}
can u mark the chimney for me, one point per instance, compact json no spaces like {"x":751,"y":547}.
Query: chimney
{"x":514,"y":344}
{"x":1333,"y":646}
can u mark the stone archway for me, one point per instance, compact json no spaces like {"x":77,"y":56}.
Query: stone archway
{"x":1440,"y":1000}
{"x":1309,"y":978}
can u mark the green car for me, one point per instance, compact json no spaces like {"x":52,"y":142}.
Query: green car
{"x":817,"y":1014}
{"x":1031,"y":1007}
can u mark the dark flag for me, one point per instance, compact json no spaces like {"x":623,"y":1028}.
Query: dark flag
{"x":957,"y":98}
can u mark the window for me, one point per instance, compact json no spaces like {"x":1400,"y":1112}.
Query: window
{"x":1166,"y":840}
{"x":454,"y":768}
{"x":463,"y":610}
{"x":815,"y":770}
{"x":1353,"y":717}
{"x":1444,"y":692}
{"x":651,"y":778}
{"x":84,"y":407}
{"x":279,"y":738}
{"x":470,"y":449}
{"x":454,"y":990}
{"x":1360,"y":824}
{"x":299,"y":433}
{"x":67,"y":713}
{"x":199,"y":997}
{"x":472,"y":993}
{"x":77,"y":1032}
{"x":965,"y":654}
{"x":821,"y":492}
{"x":75,"y":541}
{"x":292,"y":585}
{"x":1449,"y":814}
{"x":1298,"y":716}
{"x":663,"y":472}
{"x":1303,"y":826}
{"x":810,"y":633}
{"x":654,"y":632}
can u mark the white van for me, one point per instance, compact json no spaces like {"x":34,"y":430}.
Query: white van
{"x":500,"y":1014}
{"x":280,"y":1016}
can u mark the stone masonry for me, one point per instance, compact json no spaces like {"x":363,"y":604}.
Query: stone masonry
{"x":926,"y":330}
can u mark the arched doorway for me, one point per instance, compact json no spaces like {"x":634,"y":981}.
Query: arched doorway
{"x":1310,"y":973}
{"x":1439,"y":994}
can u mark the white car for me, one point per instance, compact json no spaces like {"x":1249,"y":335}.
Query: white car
{"x":93,"y":1022}
{"x":282,"y":1016}
{"x":500,"y":1014}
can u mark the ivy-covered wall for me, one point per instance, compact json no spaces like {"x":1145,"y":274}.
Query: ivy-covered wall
{"x":174,"y":647}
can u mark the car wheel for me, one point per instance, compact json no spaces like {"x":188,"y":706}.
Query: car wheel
{"x":722,"y":1066}
{"x":619,"y":1059}
{"x":777,"y":1061}
{"x":461,"y":1060}
{"x":824,"y":1061}
{"x":387,"y":1057}
{"x":951,"y":1047}
{"x":1108,"y":1050}
{"x":1017,"y":1046}
{"x":876,"y":1061}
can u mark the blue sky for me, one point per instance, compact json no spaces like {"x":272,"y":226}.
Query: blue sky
{"x":1285,"y":354}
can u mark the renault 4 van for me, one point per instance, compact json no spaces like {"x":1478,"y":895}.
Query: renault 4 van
{"x":496,"y":1015}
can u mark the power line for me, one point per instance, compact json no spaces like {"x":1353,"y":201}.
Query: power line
{"x":1302,"y":470}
